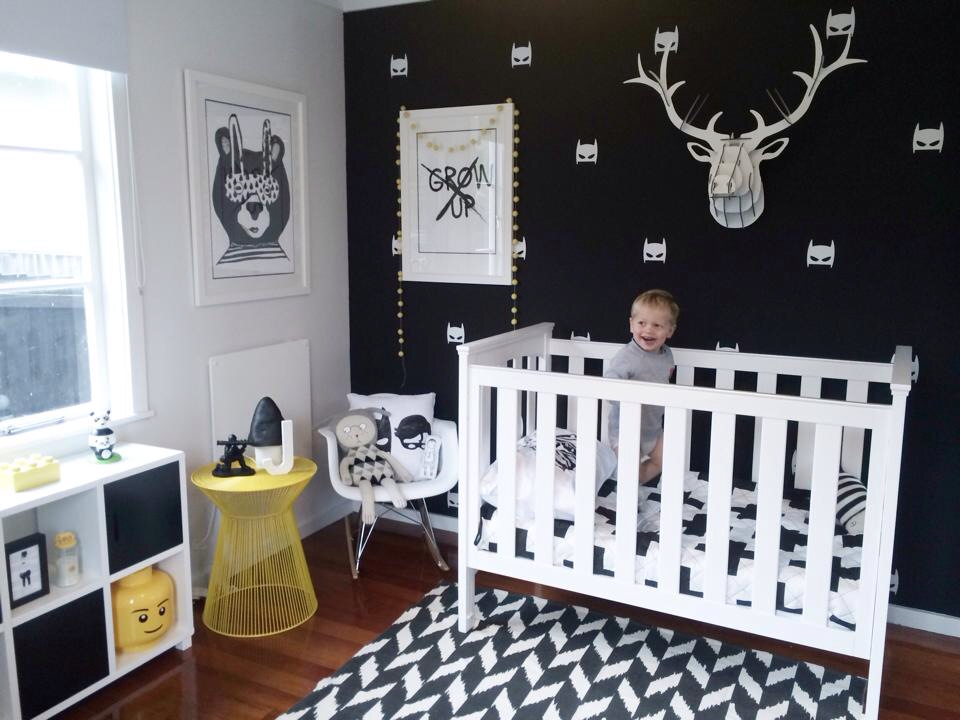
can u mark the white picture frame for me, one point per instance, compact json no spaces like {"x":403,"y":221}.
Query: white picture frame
{"x":248,"y":209}
{"x":456,"y":194}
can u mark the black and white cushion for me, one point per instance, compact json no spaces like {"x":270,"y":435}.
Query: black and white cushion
{"x":851,"y":503}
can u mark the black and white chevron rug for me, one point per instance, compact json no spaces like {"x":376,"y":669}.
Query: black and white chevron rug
{"x":532,"y":658}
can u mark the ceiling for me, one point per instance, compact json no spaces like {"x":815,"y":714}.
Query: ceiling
{"x":352,"y":5}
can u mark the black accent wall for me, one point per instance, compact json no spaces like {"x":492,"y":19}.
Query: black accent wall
{"x":849,"y":175}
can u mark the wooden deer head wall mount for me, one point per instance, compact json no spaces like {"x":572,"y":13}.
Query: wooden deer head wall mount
{"x":734,"y":187}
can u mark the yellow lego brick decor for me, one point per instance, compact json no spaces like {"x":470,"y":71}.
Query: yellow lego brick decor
{"x":29,"y":472}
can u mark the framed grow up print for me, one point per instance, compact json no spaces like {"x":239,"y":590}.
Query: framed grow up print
{"x":247,"y":164}
{"x":456,"y":194}
{"x":27,"y":569}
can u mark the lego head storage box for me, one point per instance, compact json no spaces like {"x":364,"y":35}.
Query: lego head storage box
{"x":144,"y":608}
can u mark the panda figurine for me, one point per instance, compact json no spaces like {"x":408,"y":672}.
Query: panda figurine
{"x":102,"y":439}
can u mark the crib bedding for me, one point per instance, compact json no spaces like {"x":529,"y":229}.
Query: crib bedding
{"x":845,"y":573}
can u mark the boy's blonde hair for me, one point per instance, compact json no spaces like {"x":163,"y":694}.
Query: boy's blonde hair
{"x":657,"y":298}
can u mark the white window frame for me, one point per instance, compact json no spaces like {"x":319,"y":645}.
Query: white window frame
{"x":113,"y":284}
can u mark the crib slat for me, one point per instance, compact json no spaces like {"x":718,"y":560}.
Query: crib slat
{"x":506,"y":470}
{"x":871,"y":573}
{"x":719,"y":491}
{"x":530,"y":364}
{"x":823,"y":509}
{"x":809,"y":387}
{"x":486,"y":404}
{"x":575,"y":367}
{"x":469,"y":486}
{"x":586,"y":487}
{"x":517,"y":364}
{"x":685,"y":377}
{"x":544,"y":490}
{"x":671,"y":498}
{"x":724,"y":382}
{"x":852,"y":453}
{"x":773,"y":441}
{"x":766,"y":383}
{"x":628,"y":468}
{"x":724,"y":379}
{"x":605,"y":412}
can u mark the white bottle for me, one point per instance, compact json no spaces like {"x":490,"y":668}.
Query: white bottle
{"x":66,"y":559}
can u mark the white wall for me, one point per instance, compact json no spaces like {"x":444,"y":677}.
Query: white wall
{"x":291,"y":44}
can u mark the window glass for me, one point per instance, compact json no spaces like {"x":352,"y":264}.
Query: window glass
{"x":54,"y":343}
{"x":44,"y":354}
{"x":48,"y":235}
{"x":40,"y":103}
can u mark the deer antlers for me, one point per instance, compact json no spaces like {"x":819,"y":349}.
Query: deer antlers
{"x":763,"y":131}
{"x":665,"y":91}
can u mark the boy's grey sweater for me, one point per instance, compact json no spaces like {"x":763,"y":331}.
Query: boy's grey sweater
{"x":632,"y":362}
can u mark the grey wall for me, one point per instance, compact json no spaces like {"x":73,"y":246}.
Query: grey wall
{"x":291,"y":44}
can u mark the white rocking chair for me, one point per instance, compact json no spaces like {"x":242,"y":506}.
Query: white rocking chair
{"x":415,"y":492}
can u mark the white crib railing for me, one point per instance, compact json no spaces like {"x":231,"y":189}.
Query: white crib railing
{"x":828,"y":430}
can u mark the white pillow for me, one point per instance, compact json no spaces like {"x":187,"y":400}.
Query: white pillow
{"x":402,"y":431}
{"x":564,"y":475}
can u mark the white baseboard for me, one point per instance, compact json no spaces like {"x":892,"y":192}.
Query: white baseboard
{"x":443,"y":522}
{"x":924,"y":620}
{"x":320,"y":520}
{"x":439,"y":522}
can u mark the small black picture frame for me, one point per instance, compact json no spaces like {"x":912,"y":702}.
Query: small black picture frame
{"x":27,"y":577}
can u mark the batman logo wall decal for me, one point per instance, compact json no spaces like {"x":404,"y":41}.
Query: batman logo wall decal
{"x":398,"y":66}
{"x":655,"y":251}
{"x":521,"y":55}
{"x":928,"y":138}
{"x":587,"y":153}
{"x":821,"y":254}
{"x":520,"y":249}
{"x":840,"y":23}
{"x":914,"y":367}
{"x":666,"y":41}
{"x":455,"y":333}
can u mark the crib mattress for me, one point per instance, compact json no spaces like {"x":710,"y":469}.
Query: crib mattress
{"x":844,"y":581}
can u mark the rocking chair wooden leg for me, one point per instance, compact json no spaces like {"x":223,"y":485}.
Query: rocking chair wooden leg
{"x":351,"y":555}
{"x":428,"y":533}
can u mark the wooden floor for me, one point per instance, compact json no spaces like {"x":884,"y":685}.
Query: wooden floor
{"x":222,"y":678}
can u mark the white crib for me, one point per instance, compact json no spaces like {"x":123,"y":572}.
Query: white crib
{"x":516,"y":368}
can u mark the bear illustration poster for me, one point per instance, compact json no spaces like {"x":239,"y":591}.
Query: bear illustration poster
{"x":250,"y":191}
{"x":247,"y":182}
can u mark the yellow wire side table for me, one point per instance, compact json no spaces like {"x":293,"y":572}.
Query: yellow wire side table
{"x":259,"y":582}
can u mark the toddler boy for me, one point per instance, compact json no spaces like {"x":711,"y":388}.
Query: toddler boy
{"x":653,"y":319}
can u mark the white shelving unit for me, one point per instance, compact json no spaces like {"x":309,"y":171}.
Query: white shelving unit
{"x":127,"y":515}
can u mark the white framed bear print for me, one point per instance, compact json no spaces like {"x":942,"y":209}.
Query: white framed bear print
{"x":247,"y":160}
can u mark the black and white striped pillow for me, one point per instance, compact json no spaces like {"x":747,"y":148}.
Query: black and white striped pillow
{"x":851,"y":503}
